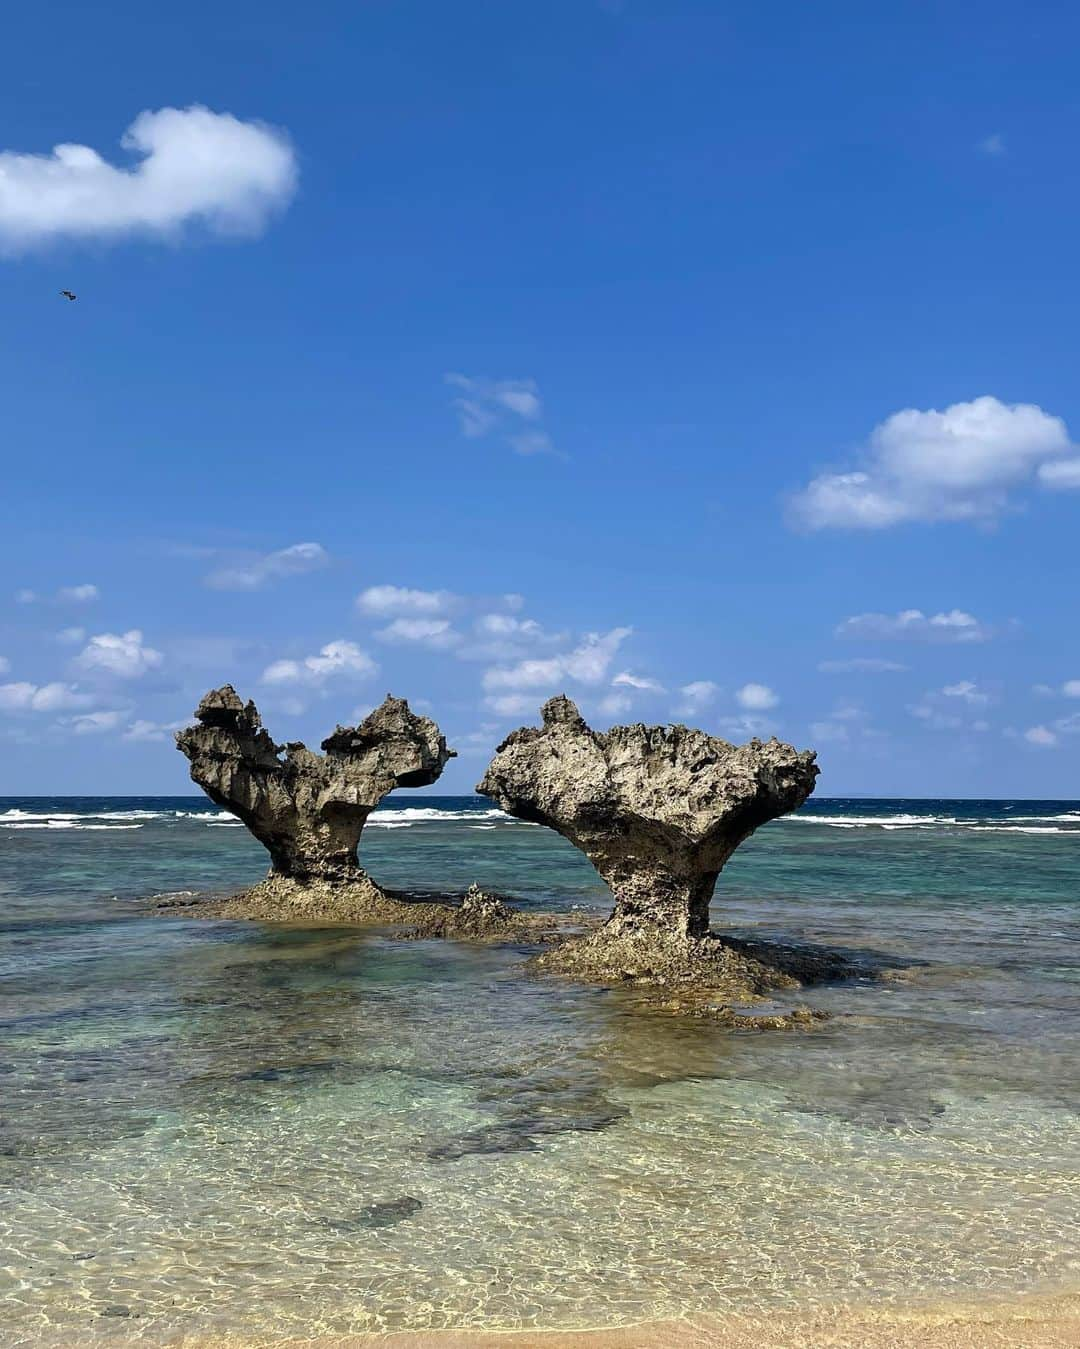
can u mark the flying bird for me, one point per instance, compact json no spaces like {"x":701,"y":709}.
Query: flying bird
{"x":68,"y":294}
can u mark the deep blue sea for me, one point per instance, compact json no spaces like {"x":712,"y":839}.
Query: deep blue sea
{"x":209,"y":1127}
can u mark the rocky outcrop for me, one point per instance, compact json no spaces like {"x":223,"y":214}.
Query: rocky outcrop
{"x":308,"y":810}
{"x":658,"y":810}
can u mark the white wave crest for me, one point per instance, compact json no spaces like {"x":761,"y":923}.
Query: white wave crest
{"x":396,"y":819}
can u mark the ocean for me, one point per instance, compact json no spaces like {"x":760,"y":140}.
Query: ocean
{"x":209,"y":1127}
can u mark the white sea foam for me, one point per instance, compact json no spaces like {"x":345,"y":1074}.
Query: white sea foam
{"x":53,"y":824}
{"x":858,"y":821}
{"x":1016,"y":824}
{"x":1022,"y":829}
{"x":391,"y":819}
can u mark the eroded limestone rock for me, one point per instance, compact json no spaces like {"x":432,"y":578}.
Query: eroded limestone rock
{"x":308,"y":810}
{"x":658,"y":810}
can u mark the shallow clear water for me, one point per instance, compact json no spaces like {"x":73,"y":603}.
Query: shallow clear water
{"x":224,"y":1125}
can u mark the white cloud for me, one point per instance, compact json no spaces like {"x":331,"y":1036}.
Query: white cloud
{"x":385,"y":601}
{"x":914,"y":625}
{"x":119,"y":654}
{"x":632,"y":681}
{"x":503,"y":637}
{"x":993,"y":145}
{"x":71,"y":636}
{"x":960,"y":464}
{"x":861,"y":664}
{"x":756,"y":697}
{"x":77,"y":594}
{"x":55,"y":697}
{"x":968,"y":692}
{"x":93,"y":723}
{"x":1063,"y":475}
{"x":141,"y":731}
{"x":505,"y":625}
{"x":335,"y":658}
{"x":484,"y":401}
{"x":588,"y":663}
{"x":615,"y":704}
{"x":696,"y":696}
{"x":433,"y":632}
{"x":1071,"y":688}
{"x":512,"y":704}
{"x":255,"y":570}
{"x":5,"y":665}
{"x":510,"y":406}
{"x":80,"y":594}
{"x":1041,"y":736}
{"x":193,"y":165}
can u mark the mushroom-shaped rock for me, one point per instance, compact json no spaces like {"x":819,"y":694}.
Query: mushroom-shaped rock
{"x":307,"y":809}
{"x":658,"y":810}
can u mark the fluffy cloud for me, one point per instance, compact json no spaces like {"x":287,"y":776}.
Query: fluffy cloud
{"x":1071,"y":688}
{"x":860,"y":665}
{"x":120,"y":654}
{"x":756,"y":697}
{"x":193,"y":165}
{"x":432,"y":632}
{"x":1041,"y":736}
{"x":387,"y":601}
{"x":55,"y":697}
{"x":510,"y":406}
{"x":587,"y":663}
{"x":1062,"y":475}
{"x":256,"y":569}
{"x":960,"y":464}
{"x":625,"y":679}
{"x":914,"y":625}
{"x":696,"y":696}
{"x":5,"y":665}
{"x":93,"y":723}
{"x":334,"y":659}
{"x":71,"y":636}
{"x":615,"y":704}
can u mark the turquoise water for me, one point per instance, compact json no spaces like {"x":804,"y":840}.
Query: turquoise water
{"x":225,"y":1126}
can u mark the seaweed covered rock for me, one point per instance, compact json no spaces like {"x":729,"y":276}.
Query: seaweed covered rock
{"x":658,"y":810}
{"x":308,"y":810}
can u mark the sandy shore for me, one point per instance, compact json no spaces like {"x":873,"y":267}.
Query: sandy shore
{"x":1043,"y":1323}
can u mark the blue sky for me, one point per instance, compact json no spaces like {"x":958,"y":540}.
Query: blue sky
{"x":708,"y":361}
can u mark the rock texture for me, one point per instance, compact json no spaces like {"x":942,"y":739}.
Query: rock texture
{"x":308,"y":810}
{"x":658,"y":810}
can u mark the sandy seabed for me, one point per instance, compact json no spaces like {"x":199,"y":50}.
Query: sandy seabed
{"x":1043,"y":1323}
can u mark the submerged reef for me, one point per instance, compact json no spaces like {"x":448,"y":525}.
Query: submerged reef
{"x":658,"y":810}
{"x":308,"y":810}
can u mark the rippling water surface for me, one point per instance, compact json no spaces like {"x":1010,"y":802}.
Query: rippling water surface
{"x":209,"y":1126}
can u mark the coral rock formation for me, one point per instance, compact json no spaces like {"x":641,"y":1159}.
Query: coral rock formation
{"x":658,"y":810}
{"x":307,"y":809}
